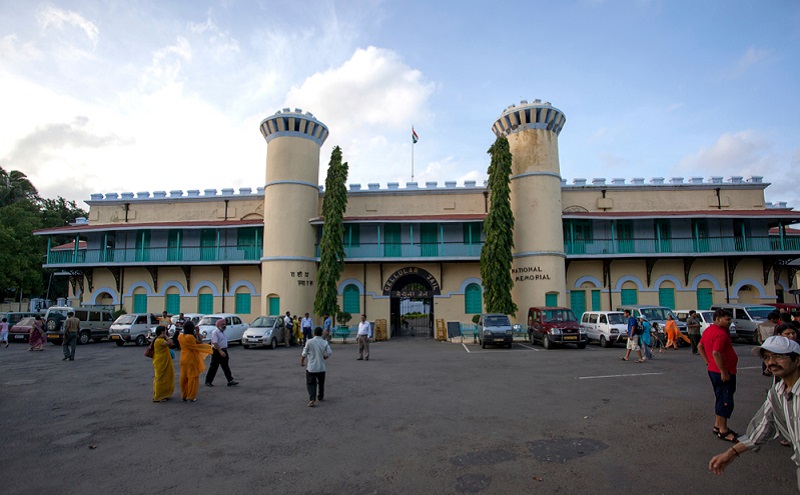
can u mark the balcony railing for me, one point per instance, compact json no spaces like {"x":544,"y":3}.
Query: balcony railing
{"x":451,"y":250}
{"x":413,"y":250}
{"x":155,"y":255}
{"x":711,"y":245}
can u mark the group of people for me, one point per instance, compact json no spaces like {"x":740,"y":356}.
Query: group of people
{"x":299,"y":330}
{"x":643,"y":336}
{"x":192,"y":361}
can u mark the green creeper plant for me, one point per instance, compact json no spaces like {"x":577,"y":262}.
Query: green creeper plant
{"x":331,"y":247}
{"x":496,"y":255}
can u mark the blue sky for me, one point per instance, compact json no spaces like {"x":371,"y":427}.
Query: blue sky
{"x":101,"y":97}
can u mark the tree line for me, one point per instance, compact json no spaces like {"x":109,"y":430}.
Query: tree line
{"x":23,"y":211}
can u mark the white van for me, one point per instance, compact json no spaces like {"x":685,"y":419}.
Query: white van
{"x":133,"y":327}
{"x":605,"y":327}
{"x":706,"y":318}
{"x":747,"y":317}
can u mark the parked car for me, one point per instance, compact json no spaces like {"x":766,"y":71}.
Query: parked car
{"x":265,"y":331}
{"x":95,"y":323}
{"x":706,"y":318}
{"x":747,"y":317}
{"x":14,"y":317}
{"x":234,"y":326}
{"x":134,"y":327}
{"x":555,"y":326}
{"x":495,"y":329}
{"x":21,"y":331}
{"x":605,"y":327}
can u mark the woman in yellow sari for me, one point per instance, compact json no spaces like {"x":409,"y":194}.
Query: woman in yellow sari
{"x":193,"y":355}
{"x":164,"y":381}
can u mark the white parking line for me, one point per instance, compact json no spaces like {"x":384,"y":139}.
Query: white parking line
{"x":750,"y":368}
{"x":616,"y":376}
{"x":465,"y":347}
{"x":528,"y":347}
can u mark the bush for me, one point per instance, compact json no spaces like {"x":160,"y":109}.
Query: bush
{"x":343,"y":317}
{"x":476,"y":319}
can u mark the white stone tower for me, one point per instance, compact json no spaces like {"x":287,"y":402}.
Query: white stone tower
{"x":291,"y":197}
{"x":538,"y":269}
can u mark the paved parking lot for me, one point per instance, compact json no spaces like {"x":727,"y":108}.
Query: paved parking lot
{"x":420,"y":417}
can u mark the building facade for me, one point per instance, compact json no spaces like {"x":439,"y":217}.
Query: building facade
{"x":412,"y":252}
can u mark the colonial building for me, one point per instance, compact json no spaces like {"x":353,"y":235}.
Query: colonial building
{"x":412,"y":252}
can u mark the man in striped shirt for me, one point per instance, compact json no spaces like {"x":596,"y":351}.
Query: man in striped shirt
{"x":780,"y":412}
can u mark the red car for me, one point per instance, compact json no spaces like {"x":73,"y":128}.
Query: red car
{"x":21,"y":331}
{"x":554,"y":326}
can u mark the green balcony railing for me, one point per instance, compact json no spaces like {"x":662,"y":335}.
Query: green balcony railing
{"x":413,"y":250}
{"x":155,"y":255}
{"x":683,"y":245}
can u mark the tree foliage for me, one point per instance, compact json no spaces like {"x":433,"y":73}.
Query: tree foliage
{"x":331,"y":258}
{"x":496,"y":255}
{"x":22,"y":254}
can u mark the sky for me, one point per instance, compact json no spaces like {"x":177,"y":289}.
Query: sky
{"x":99,"y":97}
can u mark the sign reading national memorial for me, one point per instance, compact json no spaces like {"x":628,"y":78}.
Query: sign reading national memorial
{"x":528,"y":273}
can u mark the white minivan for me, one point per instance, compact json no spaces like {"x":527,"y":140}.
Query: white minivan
{"x":605,"y":327}
{"x":706,"y":318}
{"x":133,"y":327}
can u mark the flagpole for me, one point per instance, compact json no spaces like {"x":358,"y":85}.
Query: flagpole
{"x":413,"y":142}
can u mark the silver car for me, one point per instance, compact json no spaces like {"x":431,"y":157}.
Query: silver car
{"x":265,"y":331}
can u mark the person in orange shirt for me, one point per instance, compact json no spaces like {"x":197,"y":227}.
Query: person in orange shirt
{"x":193,"y":355}
{"x":671,"y":329}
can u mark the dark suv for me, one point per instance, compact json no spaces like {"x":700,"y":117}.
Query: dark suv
{"x":555,"y":326}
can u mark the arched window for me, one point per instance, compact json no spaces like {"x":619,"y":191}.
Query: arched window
{"x":473,"y":299}
{"x":351,"y":303}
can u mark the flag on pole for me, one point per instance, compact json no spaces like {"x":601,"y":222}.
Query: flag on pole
{"x":414,"y":137}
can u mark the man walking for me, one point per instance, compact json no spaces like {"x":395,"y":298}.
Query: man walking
{"x":315,"y":352}
{"x":72,"y":326}
{"x":219,"y":356}
{"x":779,"y":413}
{"x":327,"y":325}
{"x":363,"y":336}
{"x":717,"y":351}
{"x":693,"y":329}
{"x":306,"y":324}
{"x":633,"y":338}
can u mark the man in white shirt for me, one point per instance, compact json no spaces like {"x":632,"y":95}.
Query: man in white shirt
{"x":363,"y":336}
{"x":219,"y":357}
{"x":316,"y":350}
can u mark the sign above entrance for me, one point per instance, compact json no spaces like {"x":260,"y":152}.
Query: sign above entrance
{"x":412,"y":294}
{"x":411,"y":274}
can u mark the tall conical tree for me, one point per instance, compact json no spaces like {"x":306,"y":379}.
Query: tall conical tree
{"x":496,"y":256}
{"x":331,"y":257}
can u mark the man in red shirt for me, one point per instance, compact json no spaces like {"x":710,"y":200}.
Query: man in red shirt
{"x":716,"y":349}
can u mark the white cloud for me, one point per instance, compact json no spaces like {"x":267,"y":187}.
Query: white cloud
{"x":369,"y":103}
{"x":167,"y":62}
{"x":221,"y":43}
{"x":52,"y":17}
{"x":11,"y":51}
{"x":750,"y":58}
{"x":732,"y":154}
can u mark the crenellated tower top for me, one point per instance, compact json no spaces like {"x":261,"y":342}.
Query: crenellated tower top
{"x":294,"y":124}
{"x":536,"y":115}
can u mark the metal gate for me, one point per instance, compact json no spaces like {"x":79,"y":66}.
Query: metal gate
{"x":415,"y":317}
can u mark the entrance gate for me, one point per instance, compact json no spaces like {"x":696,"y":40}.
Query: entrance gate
{"x":411,"y":290}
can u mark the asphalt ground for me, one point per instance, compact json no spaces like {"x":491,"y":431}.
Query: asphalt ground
{"x":420,"y":417}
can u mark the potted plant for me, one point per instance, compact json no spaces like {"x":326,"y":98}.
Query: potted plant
{"x":342,"y":318}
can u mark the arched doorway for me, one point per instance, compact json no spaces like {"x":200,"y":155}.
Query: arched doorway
{"x":411,"y":290}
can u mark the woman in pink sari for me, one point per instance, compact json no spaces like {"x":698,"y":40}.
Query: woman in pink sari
{"x":37,"y":338}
